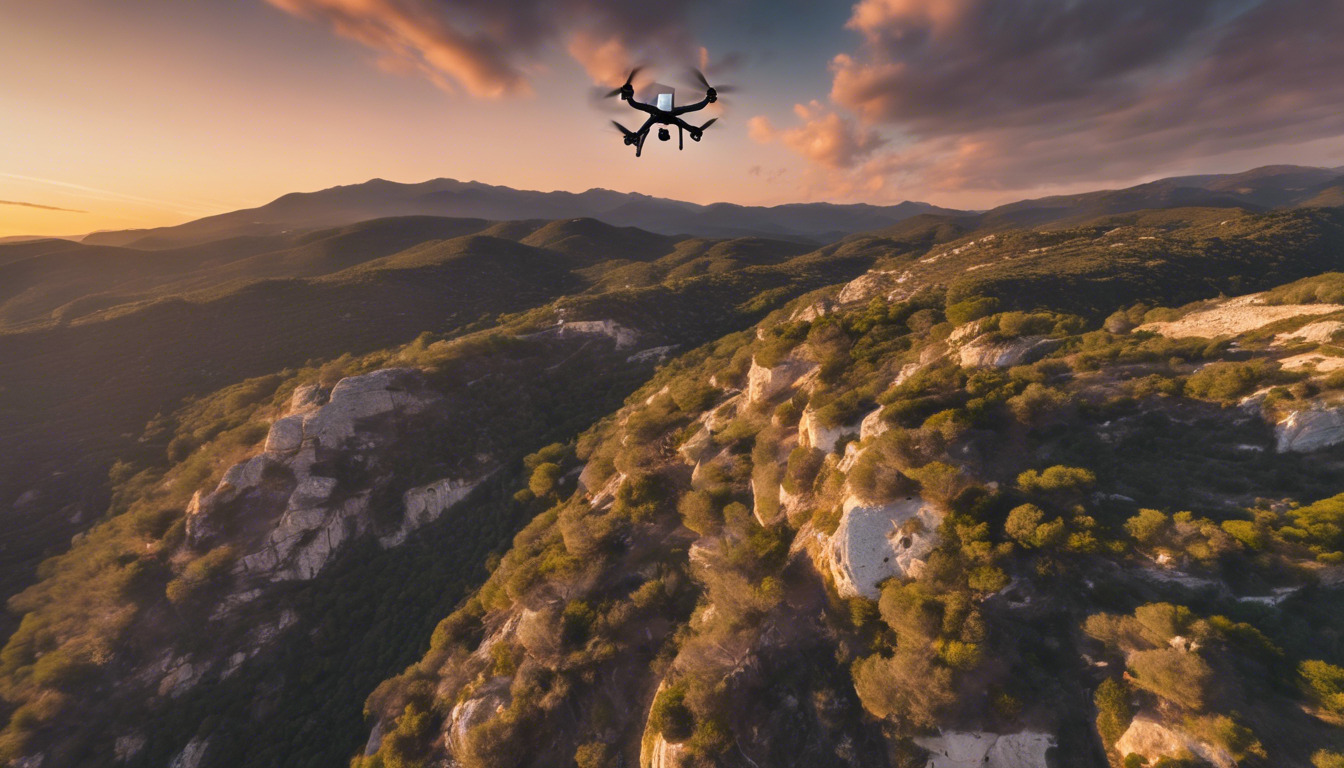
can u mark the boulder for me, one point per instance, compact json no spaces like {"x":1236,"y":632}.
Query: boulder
{"x":765,"y":383}
{"x":1310,"y":430}
{"x":489,"y":700}
{"x":983,"y":352}
{"x":872,"y":425}
{"x":362,"y":397}
{"x":424,"y":504}
{"x":877,"y":542}
{"x":306,"y":398}
{"x":971,"y":749}
{"x":286,"y":434}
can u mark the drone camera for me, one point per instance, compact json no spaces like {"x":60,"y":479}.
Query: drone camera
{"x":664,"y":134}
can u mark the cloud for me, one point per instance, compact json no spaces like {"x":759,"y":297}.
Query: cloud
{"x":489,"y":48}
{"x":985,"y":95}
{"x":42,"y":207}
{"x":825,"y":138}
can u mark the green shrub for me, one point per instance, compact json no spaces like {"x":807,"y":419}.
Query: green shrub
{"x":1324,"y":682}
{"x":670,"y":716}
{"x":1181,"y":677}
{"x":970,"y":309}
{"x":1113,"y":711}
{"x":1229,"y":381}
{"x":1058,"y":478}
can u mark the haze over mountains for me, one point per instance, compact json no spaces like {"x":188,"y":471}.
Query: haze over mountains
{"x":1269,"y":187}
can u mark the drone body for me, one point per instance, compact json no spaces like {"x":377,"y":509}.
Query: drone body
{"x":663,"y":113}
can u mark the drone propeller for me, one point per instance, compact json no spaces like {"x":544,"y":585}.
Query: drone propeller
{"x":700,"y":78}
{"x":711,"y":122}
{"x":629,"y":81}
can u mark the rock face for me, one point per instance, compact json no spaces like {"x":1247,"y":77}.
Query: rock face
{"x":490,"y":699}
{"x":280,"y":507}
{"x":1311,"y":430}
{"x":953,"y":749}
{"x":984,"y":353}
{"x":1153,"y":740}
{"x":764,"y":383}
{"x":812,"y":433}
{"x":877,"y":542}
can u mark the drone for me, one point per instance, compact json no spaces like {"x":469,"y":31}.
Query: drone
{"x":663,"y":113}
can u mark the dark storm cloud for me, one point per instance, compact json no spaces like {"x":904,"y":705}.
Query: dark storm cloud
{"x":993,"y":94}
{"x":490,"y":47}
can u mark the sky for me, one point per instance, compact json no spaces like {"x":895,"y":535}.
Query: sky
{"x":119,"y":115}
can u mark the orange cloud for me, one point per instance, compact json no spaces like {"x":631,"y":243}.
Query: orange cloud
{"x":825,"y":138}
{"x":410,"y":36}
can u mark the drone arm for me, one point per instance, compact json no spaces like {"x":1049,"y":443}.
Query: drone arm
{"x":697,"y":106}
{"x":643,"y":133}
{"x":641,"y":106}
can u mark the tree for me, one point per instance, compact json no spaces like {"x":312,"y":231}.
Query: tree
{"x":670,"y":716}
{"x":1146,"y":526}
{"x":1179,"y":676}
{"x":1025,"y":525}
{"x":544,"y":479}
{"x":911,"y":687}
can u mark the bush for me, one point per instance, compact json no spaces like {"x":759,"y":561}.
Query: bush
{"x":911,"y":688}
{"x":1056,"y":479}
{"x":543,"y":480}
{"x":670,"y":716}
{"x":1324,"y":682}
{"x":970,"y":309}
{"x":1181,"y":677}
{"x":1229,"y":381}
{"x":699,"y":513}
{"x":1113,"y":711}
{"x":1326,"y":759}
{"x":1026,"y":525}
{"x":1146,"y":526}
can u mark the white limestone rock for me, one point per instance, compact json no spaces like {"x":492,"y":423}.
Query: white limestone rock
{"x":624,"y":337}
{"x":870,"y":284}
{"x":872,"y":425}
{"x":424,"y":504}
{"x":1310,"y":430}
{"x":877,"y":542}
{"x":984,"y":353}
{"x":191,"y":755}
{"x":489,"y":700}
{"x":970,"y":749}
{"x":813,"y":434}
{"x":362,"y":397}
{"x":765,"y":383}
{"x":1154,"y":740}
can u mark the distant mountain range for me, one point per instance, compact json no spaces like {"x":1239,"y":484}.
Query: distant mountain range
{"x":338,"y":206}
{"x":1269,"y":187}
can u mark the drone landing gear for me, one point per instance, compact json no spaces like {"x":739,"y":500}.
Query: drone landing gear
{"x":681,"y":141}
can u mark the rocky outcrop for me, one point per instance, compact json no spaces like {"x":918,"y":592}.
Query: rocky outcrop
{"x":813,"y":311}
{"x":984,"y":352}
{"x":765,"y":383}
{"x":1320,"y":332}
{"x":872,"y":425}
{"x":488,"y":700}
{"x":191,"y":755}
{"x":813,"y":434}
{"x":1310,"y":430}
{"x":1233,"y":317}
{"x":625,"y":338}
{"x":877,"y":542}
{"x":871,"y":284}
{"x":971,"y":749}
{"x":1154,"y":740}
{"x":290,"y":518}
